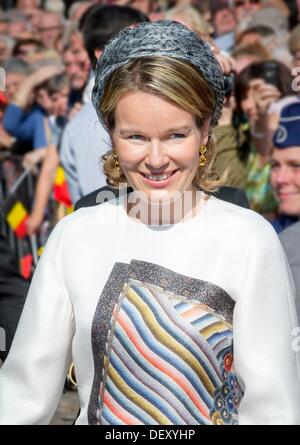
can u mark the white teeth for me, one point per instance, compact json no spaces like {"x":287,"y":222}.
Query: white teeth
{"x":157,"y":177}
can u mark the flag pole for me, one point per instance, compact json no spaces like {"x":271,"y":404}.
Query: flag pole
{"x":34,"y":248}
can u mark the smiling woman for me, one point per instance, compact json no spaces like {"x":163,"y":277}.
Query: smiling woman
{"x":178,"y":321}
{"x":159,"y":111}
{"x":162,"y":107}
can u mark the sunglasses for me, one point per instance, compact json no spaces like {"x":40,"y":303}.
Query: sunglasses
{"x":239,"y":3}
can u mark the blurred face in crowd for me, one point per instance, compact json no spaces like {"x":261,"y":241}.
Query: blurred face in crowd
{"x":60,"y":102}
{"x":142,"y":5}
{"x":80,"y":10}
{"x":224,"y":21}
{"x":25,"y":50}
{"x":246,"y":8}
{"x":13,"y":81}
{"x":250,"y":38}
{"x":184,"y":19}
{"x":59,"y":45}
{"x":157,"y":144}
{"x":43,"y":98}
{"x":50,"y":27}
{"x":5,"y":52}
{"x":25,"y":5}
{"x":3,"y":28}
{"x":285,"y":179}
{"x":17,"y":28}
{"x":205,"y":11}
{"x":244,"y":61}
{"x":34,"y":17}
{"x":248,"y":105}
{"x":75,"y":69}
{"x":187,"y":21}
{"x":79,"y":52}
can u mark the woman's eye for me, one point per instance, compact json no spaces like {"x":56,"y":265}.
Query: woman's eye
{"x":137,"y":137}
{"x":177,"y":136}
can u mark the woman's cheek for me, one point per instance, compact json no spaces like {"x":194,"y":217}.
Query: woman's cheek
{"x":130,"y":155}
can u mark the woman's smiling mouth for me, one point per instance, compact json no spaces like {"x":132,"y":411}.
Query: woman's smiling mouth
{"x":159,"y":180}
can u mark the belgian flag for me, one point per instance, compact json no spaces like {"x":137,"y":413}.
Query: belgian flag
{"x":26,"y":266}
{"x":61,"y":191}
{"x":16,"y":218}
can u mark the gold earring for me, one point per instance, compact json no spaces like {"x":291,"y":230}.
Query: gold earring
{"x":116,"y":161}
{"x":202,"y":158}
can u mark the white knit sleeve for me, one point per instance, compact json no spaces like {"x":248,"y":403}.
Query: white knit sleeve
{"x":32,"y":377}
{"x":266,"y":361}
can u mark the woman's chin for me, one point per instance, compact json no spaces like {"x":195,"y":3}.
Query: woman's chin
{"x":156,"y":196}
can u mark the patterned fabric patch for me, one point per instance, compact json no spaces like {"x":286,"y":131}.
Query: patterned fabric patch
{"x":166,"y":363}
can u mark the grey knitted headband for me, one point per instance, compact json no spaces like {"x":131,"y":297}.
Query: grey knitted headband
{"x":162,"y":38}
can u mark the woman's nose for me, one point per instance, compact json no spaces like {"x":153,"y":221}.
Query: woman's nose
{"x":157,"y":154}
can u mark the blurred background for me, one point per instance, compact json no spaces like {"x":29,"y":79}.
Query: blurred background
{"x":51,"y":143}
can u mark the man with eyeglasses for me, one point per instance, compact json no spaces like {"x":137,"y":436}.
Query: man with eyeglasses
{"x":26,"y":5}
{"x":246,"y":8}
{"x":50,"y":28}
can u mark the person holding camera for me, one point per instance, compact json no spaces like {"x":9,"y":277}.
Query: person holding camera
{"x":258,"y":91}
{"x":228,"y":156}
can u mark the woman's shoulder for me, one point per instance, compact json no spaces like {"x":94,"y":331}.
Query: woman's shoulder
{"x":88,"y":220}
{"x":237,"y":219}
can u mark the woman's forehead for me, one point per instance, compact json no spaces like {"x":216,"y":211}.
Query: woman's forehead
{"x":140,"y":108}
{"x":286,"y":154}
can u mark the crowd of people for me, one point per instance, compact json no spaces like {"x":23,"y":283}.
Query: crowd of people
{"x":55,"y":117}
{"x":47,"y":53}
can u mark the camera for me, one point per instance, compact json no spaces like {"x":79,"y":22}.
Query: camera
{"x":229,"y":84}
{"x":270,"y":73}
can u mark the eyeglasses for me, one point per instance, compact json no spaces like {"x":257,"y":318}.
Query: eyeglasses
{"x":50,"y":28}
{"x":239,"y":3}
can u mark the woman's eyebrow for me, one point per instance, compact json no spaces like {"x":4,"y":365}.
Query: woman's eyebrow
{"x":177,"y":129}
{"x":124,"y":131}
{"x":129,"y":130}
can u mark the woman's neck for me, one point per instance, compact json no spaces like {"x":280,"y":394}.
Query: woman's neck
{"x":177,"y":208}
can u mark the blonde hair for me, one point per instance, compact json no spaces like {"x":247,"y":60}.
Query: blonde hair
{"x":194,"y":20}
{"x":175,"y":81}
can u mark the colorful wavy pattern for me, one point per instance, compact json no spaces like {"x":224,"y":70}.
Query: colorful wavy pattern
{"x":168,"y":362}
